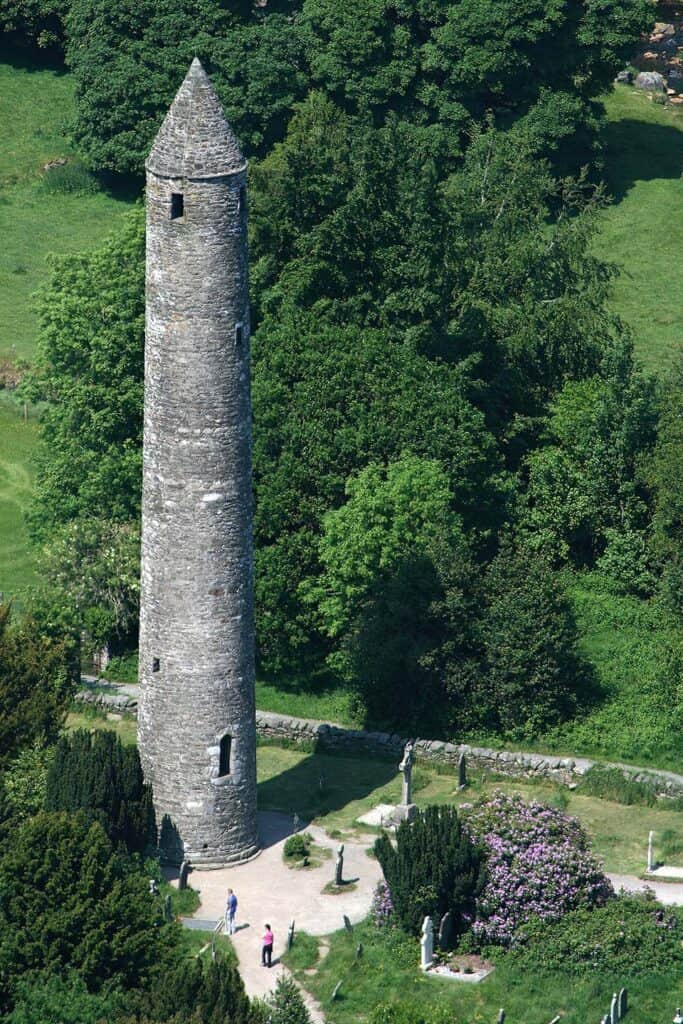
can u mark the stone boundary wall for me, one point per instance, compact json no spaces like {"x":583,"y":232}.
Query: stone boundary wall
{"x":325,"y":736}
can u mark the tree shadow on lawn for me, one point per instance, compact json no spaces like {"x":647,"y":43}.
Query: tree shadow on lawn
{"x":323,"y":783}
{"x":641,"y":151}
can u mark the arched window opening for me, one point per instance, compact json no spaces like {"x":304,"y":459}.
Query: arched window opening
{"x":224,"y":762}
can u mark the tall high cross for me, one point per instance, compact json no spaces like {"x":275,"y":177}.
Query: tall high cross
{"x":196,"y":722}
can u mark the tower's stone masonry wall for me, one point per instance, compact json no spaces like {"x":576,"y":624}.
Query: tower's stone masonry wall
{"x":196,"y":622}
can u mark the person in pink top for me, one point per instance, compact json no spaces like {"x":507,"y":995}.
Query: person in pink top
{"x":267,"y":948}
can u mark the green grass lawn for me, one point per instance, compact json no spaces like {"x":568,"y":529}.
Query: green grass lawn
{"x":334,"y":791}
{"x":387,"y":972}
{"x":35,"y":107}
{"x":643,"y":229}
{"x":17,"y":442}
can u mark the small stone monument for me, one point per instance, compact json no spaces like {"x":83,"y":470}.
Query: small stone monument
{"x":427,"y":944}
{"x":614,"y":1010}
{"x":290,"y":935}
{"x":168,"y":912}
{"x":462,"y":771}
{"x":339,"y":866}
{"x":182,"y":876}
{"x":446,"y":930}
{"x":348,"y":925}
{"x":623,"y":1003}
{"x":678,"y":1016}
{"x":650,"y":852}
{"x":406,"y":809}
{"x":501,"y":1016}
{"x":335,"y":990}
{"x":359,"y":950}
{"x":153,"y":887}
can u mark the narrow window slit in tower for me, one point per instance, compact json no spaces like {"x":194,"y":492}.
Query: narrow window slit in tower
{"x":224,"y":762}
{"x":155,"y":665}
{"x":239,"y":333}
{"x":177,"y":205}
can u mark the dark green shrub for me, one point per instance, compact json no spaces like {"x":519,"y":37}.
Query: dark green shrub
{"x":629,"y":935}
{"x":200,"y":992}
{"x":97,"y":774}
{"x":298,"y":845}
{"x":613,"y":784}
{"x":434,"y":868}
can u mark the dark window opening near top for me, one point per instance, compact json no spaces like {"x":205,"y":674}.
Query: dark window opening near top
{"x":177,"y":205}
{"x":224,"y":764}
{"x":239,"y":334}
{"x":155,"y":665}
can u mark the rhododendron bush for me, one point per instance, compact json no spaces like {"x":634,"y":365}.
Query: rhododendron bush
{"x":539,"y":864}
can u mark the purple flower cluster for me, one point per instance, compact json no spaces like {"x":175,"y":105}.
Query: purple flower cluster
{"x":382,"y":904}
{"x":539,"y":863}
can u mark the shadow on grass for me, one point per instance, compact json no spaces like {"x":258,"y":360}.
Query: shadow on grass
{"x":323,"y":783}
{"x":641,"y":151}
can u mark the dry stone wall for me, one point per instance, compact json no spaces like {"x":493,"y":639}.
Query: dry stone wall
{"x":336,"y":739}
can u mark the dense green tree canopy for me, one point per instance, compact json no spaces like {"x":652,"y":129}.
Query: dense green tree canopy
{"x":69,"y":902}
{"x":35,"y":684}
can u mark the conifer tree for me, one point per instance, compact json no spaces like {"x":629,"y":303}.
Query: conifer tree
{"x":434,"y":868}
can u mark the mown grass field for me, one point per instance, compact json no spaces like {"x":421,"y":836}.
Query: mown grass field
{"x":642,"y":230}
{"x":35,"y":107}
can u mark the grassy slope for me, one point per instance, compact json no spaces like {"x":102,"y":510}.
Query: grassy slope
{"x":34,"y":108}
{"x":643,"y":229}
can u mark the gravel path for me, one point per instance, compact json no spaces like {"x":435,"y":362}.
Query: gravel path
{"x":670,"y":893}
{"x":268,"y":890}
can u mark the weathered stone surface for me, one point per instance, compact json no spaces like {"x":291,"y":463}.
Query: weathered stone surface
{"x":196,"y":616}
{"x":650,"y":80}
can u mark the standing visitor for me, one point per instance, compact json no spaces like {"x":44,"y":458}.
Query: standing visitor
{"x":230,"y":911}
{"x":267,"y":948}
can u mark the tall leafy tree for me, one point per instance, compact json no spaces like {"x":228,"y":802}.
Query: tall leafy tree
{"x":89,"y":369}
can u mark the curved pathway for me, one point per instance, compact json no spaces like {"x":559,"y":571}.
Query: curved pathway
{"x":268,"y":890}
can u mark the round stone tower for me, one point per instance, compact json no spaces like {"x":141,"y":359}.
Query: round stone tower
{"x":196,"y":722}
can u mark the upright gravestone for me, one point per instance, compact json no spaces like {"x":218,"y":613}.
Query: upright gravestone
{"x":182,"y":875}
{"x":623,"y":1003}
{"x":290,"y":934}
{"x":614,"y":1010}
{"x":406,"y":809}
{"x":348,"y":925}
{"x":650,"y":852}
{"x":168,"y":911}
{"x":427,"y":944}
{"x":462,"y":771}
{"x":446,"y":930}
{"x":339,"y":866}
{"x":501,"y":1016}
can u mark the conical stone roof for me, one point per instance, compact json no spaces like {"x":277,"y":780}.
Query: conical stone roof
{"x":195,"y":140}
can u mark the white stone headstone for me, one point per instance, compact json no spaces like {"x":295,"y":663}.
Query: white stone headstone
{"x":614,"y":1010}
{"x":650,"y":852}
{"x":427,"y":944}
